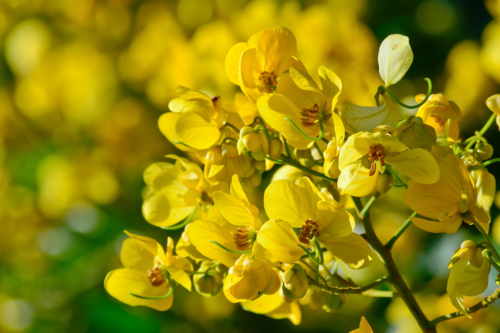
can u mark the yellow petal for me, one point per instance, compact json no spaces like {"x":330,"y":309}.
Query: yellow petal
{"x":196,"y":131}
{"x":283,"y":200}
{"x":450,"y":225}
{"x":268,"y":280}
{"x":394,"y":58}
{"x":180,"y":276}
{"x":248,"y":65}
{"x":353,"y":250}
{"x":264,"y":304}
{"x":147,"y":244}
{"x":486,"y":188}
{"x":159,"y":175}
{"x":138,"y":255}
{"x":233,"y":210}
{"x":233,"y":62}
{"x":355,"y":180}
{"x":418,"y":164}
{"x":354,"y":149}
{"x":120,"y":282}
{"x":334,"y":222}
{"x":275,"y":108}
{"x":275,"y":48}
{"x":493,"y":103}
{"x":201,"y":232}
{"x":290,"y":311}
{"x":303,"y":96}
{"x":365,"y":118}
{"x":166,"y":123}
{"x":237,"y":190}
{"x":279,"y":238}
{"x":331,"y":86}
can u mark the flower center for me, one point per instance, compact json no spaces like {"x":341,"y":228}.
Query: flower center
{"x":308,"y":231}
{"x":215,"y":100}
{"x":439,"y":120}
{"x":269,"y":81}
{"x":242,"y":239}
{"x":375,"y":154}
{"x":310,"y":115}
{"x":155,"y":275}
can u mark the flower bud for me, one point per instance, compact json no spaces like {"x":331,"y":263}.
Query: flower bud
{"x":250,"y":171}
{"x":215,"y":156}
{"x":210,"y":283}
{"x":259,"y":165}
{"x":493,"y":103}
{"x":275,"y":148}
{"x":384,"y":182}
{"x":253,"y":181}
{"x":295,"y":284}
{"x":264,"y":142}
{"x":318,"y":298}
{"x":251,"y":141}
{"x":229,"y":150}
{"x":485,"y":151}
{"x":333,"y":303}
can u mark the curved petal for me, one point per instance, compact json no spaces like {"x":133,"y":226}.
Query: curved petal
{"x":353,"y":250}
{"x":355,"y":180}
{"x":394,"y":58}
{"x":120,"y":282}
{"x":290,"y":311}
{"x":138,"y":255}
{"x":159,"y":175}
{"x":180,"y":276}
{"x":366,"y":118}
{"x":334,"y":222}
{"x":275,"y":48}
{"x":283,"y":200}
{"x":279,"y":238}
{"x":354,"y":149}
{"x":450,"y":225}
{"x":427,"y":200}
{"x":418,"y":164}
{"x":233,"y":210}
{"x":275,"y":108}
{"x":237,"y":190}
{"x":248,"y":63}
{"x":331,"y":86}
{"x":233,"y":62}
{"x":264,"y":304}
{"x":166,"y":123}
{"x":201,"y":232}
{"x":196,"y":131}
{"x":302,"y":98}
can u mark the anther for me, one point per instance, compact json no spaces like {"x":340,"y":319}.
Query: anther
{"x":241,"y":238}
{"x":310,"y":115}
{"x":155,"y":276}
{"x":269,"y":81}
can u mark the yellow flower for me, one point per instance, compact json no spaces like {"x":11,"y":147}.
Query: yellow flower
{"x":195,"y":120}
{"x":249,"y":278}
{"x":303,"y":206}
{"x":364,"y":327}
{"x":486,"y":188}
{"x":238,"y":234}
{"x":394,"y":58}
{"x":436,"y":112}
{"x":468,"y":275}
{"x":450,"y":201}
{"x":148,"y":273}
{"x":257,"y":65}
{"x":365,"y":155}
{"x":301,"y":100}
{"x":493,"y":103}
{"x":186,"y":249}
{"x":220,"y":168}
{"x":365,"y":118}
{"x":273,"y":306}
{"x":175,"y":191}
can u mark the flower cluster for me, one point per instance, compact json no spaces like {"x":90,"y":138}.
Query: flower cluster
{"x":287,"y":256}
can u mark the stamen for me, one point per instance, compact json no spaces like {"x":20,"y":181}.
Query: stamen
{"x":241,"y":238}
{"x":375,"y":153}
{"x":155,"y":276}
{"x":310,"y":115}
{"x":308,"y":231}
{"x":269,"y":81}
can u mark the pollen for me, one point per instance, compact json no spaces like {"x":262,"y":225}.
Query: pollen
{"x":375,"y":153}
{"x":309,"y":116}
{"x":241,"y":239}
{"x":308,"y":231}
{"x":269,"y":81}
{"x":155,"y":276}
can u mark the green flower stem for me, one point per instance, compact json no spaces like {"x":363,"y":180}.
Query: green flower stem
{"x":481,"y":305}
{"x":321,"y":130}
{"x":310,"y":255}
{"x":482,"y":131}
{"x":170,"y":291}
{"x":429,"y":91}
{"x":273,"y":160}
{"x":485,"y":164}
{"x":292,"y":162}
{"x":487,"y":254}
{"x":182,"y":143}
{"x":396,"y":236}
{"x":228,"y":250}
{"x":319,"y":253}
{"x":234,"y":128}
{"x":316,"y":274}
{"x":486,"y":238}
{"x":263,"y":129}
{"x":287,"y":149}
{"x":396,"y":278}
{"x":312,"y":269}
{"x":184,"y":223}
{"x":350,"y":290}
{"x":401,"y":183}
{"x":307,"y":256}
{"x":369,"y":204}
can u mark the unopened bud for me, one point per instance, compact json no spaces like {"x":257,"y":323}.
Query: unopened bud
{"x":229,"y":150}
{"x":318,"y":299}
{"x":252,"y":142}
{"x":253,"y":181}
{"x":215,"y":156}
{"x":275,"y":148}
{"x":210,"y":283}
{"x":264,"y":142}
{"x":295,"y":284}
{"x":485,"y":151}
{"x":250,"y":171}
{"x":259,"y":165}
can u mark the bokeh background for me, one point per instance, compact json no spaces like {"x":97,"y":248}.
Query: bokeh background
{"x":82,"y":84}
